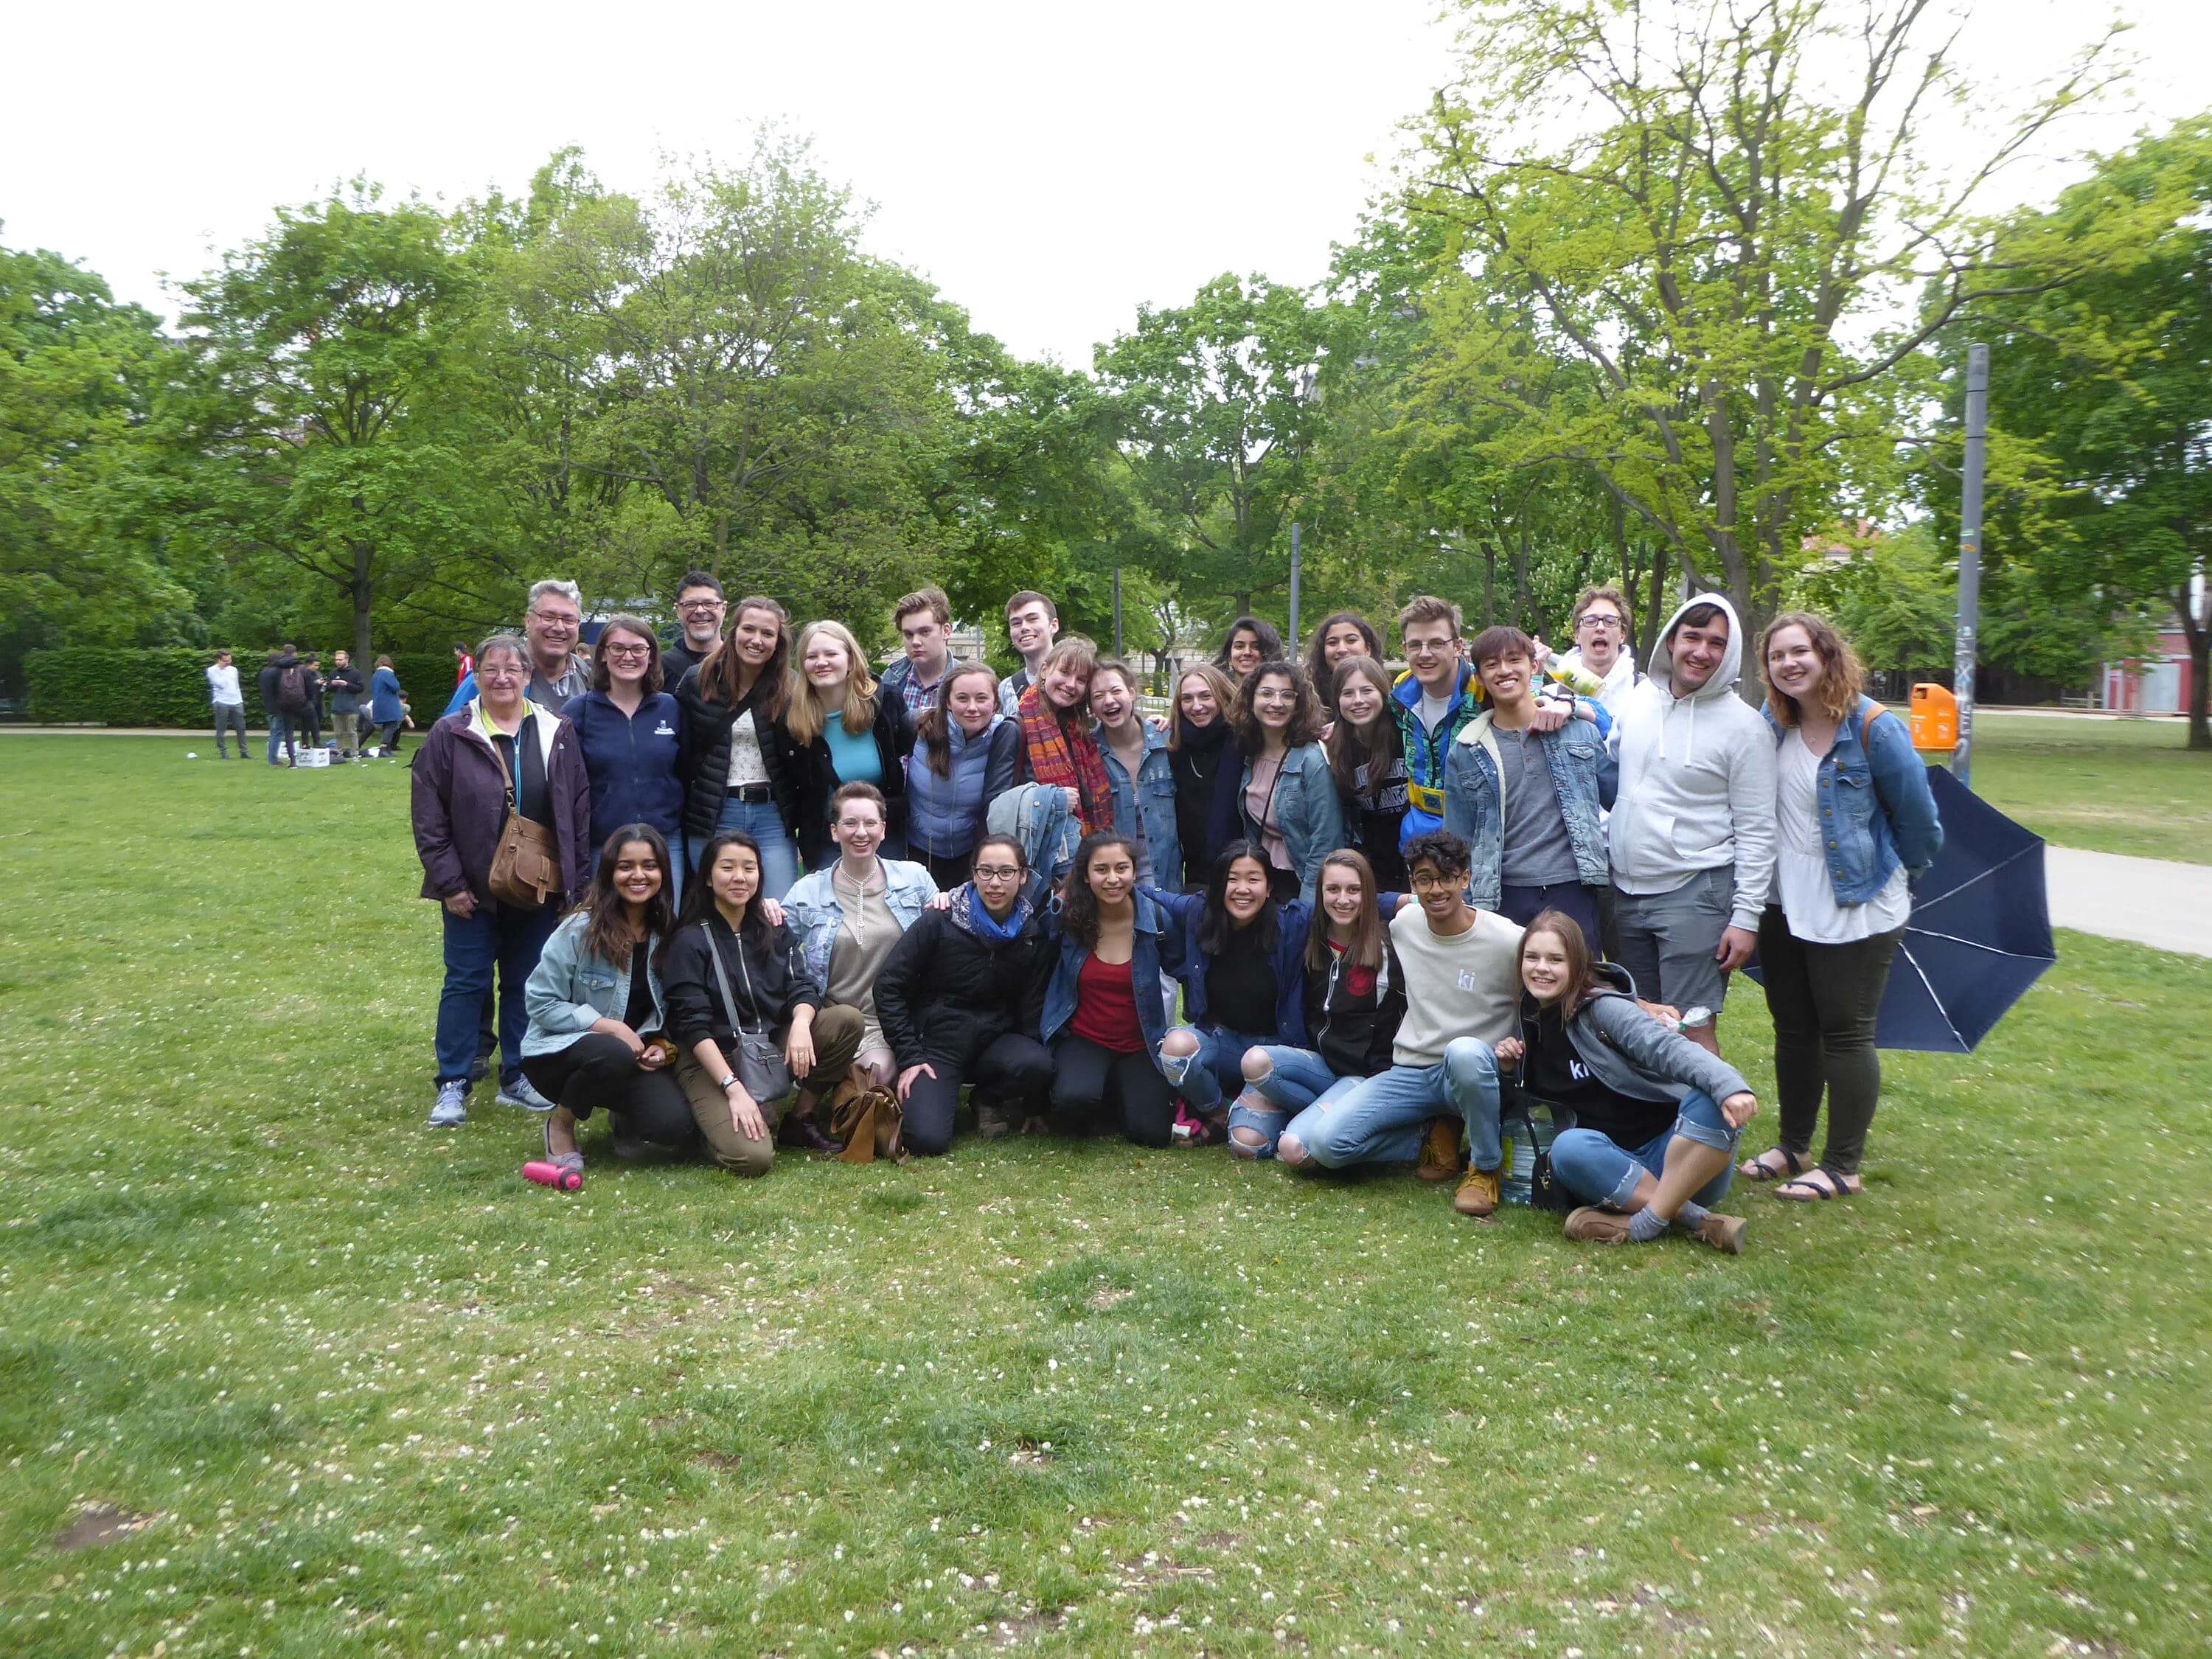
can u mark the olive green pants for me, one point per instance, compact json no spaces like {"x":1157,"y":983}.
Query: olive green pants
{"x":836,"y":1041}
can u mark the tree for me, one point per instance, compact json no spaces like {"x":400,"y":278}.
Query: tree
{"x":1719,"y":240}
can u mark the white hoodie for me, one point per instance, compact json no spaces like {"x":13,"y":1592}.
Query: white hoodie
{"x":1697,"y":780}
{"x":1619,"y":681}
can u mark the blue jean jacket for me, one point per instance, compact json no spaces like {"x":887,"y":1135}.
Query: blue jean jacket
{"x":570,"y":989}
{"x":1151,"y":802}
{"x":1186,"y":911}
{"x":813,"y":913}
{"x":1474,"y":809}
{"x":1155,"y":949}
{"x":1308,"y":811}
{"x":1877,"y":809}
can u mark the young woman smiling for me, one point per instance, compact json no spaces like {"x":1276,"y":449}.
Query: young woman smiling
{"x":1059,"y":748}
{"x":846,"y":731}
{"x":729,"y":939}
{"x":1289,"y":798}
{"x":1138,"y":772}
{"x":965,"y":754}
{"x":737,"y":763}
{"x":1853,"y":822}
{"x":631,"y":732}
{"x":1102,"y":1021}
{"x":1367,"y":758}
{"x":595,"y":1003}
{"x":1203,"y":760}
{"x":1353,"y":996}
{"x":1248,"y":643}
{"x":1342,"y":635}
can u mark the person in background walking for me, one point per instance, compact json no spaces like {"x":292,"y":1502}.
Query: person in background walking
{"x":1248,"y":643}
{"x":386,"y":706}
{"x":500,"y":753}
{"x":631,"y":735}
{"x":1291,"y":808}
{"x":1205,"y":764}
{"x":1032,"y":625}
{"x":228,"y":701}
{"x":463,"y":664}
{"x":1342,"y":635}
{"x":846,"y":727}
{"x":924,"y":620}
{"x":1102,"y":1021}
{"x":596,"y":1007}
{"x":346,"y":687}
{"x":1854,"y":822}
{"x":1691,"y":835}
{"x":965,"y":754}
{"x":737,"y":765}
{"x":1059,"y":748}
{"x":700,"y":608}
{"x":283,"y":685}
{"x":960,"y":996}
{"x":1368,"y":762}
{"x":1139,"y":774}
{"x":560,"y":667}
{"x":313,"y":712}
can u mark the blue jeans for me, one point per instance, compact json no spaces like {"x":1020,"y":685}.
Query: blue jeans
{"x":281,"y":735}
{"x":1296,"y":1079}
{"x":1215,"y":1071}
{"x":779,"y":857}
{"x":1382,"y":1120}
{"x":496,"y":936}
{"x":1598,"y":1169}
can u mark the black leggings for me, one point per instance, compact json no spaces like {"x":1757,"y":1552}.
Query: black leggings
{"x":1824,"y":999}
{"x":1088,"y":1081}
{"x":1012,"y":1069}
{"x":598,"y":1070}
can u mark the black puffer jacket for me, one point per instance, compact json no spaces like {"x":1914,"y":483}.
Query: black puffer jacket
{"x":815,"y":780}
{"x":942,"y":987}
{"x":771,"y":967}
{"x":703,"y":763}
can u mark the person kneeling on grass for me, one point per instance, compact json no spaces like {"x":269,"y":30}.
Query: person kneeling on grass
{"x":595,"y":1005}
{"x":738,"y":988}
{"x":1656,"y":1116}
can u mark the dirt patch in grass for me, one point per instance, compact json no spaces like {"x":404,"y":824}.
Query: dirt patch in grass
{"x":1012,"y":1632}
{"x":1105,"y":1296}
{"x":101,"y":1523}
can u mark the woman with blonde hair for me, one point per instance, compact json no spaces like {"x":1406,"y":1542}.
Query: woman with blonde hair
{"x":1204,"y":761}
{"x":1853,"y":822}
{"x":845,"y":731}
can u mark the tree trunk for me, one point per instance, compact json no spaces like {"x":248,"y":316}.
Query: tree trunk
{"x":1520,"y":581}
{"x":1656,"y":608}
{"x":1489,"y":583}
{"x":363,"y":591}
{"x":2197,"y":628}
{"x":1243,"y":597}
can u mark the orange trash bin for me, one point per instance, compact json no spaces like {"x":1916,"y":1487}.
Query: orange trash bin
{"x":1935,"y":718}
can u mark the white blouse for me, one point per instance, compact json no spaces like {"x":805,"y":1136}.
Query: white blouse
{"x":746,"y":766}
{"x":1801,"y":862}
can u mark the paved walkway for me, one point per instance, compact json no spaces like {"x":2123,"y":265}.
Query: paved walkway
{"x":2149,"y":901}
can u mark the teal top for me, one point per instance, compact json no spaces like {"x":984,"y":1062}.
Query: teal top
{"x":854,"y":756}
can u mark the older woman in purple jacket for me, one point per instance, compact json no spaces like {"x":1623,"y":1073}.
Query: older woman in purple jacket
{"x":499,"y":752}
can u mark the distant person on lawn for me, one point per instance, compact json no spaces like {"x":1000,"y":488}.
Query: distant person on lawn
{"x":228,"y":702}
{"x":463,"y":664}
{"x":560,"y":667}
{"x":313,"y":714}
{"x":283,"y":685}
{"x":502,"y":753}
{"x":345,"y":688}
{"x":387,"y":706}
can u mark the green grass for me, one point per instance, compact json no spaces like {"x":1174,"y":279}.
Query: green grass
{"x":2110,"y":785}
{"x":383,"y":1397}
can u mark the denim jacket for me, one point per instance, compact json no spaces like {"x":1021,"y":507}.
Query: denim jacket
{"x":1308,"y":811}
{"x":1151,"y":802}
{"x":1877,"y":809}
{"x":1186,"y":912}
{"x":569,"y":990}
{"x":813,"y":913}
{"x":1475,"y":811}
{"x":1153,"y":948}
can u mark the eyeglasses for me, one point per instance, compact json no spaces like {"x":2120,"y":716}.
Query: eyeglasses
{"x":1600,"y":619}
{"x":554,"y":619}
{"x":701,"y":604}
{"x":625,"y":650}
{"x":997,"y":873}
{"x":1430,"y":648}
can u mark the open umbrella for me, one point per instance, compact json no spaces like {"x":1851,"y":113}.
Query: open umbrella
{"x":1979,"y":934}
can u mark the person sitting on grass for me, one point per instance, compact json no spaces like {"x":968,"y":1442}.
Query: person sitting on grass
{"x":960,"y":997}
{"x":1102,"y":1016}
{"x":1461,"y":975}
{"x":1354,"y":996}
{"x":1656,"y":1116}
{"x":739,"y":987}
{"x":596,"y":1007}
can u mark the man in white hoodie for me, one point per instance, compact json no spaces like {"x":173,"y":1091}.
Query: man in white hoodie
{"x":1692,"y":835}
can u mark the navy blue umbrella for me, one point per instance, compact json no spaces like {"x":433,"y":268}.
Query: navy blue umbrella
{"x":1979,"y":934}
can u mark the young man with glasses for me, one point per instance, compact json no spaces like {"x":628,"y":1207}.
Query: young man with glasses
{"x":700,"y":607}
{"x":1603,"y":645}
{"x":560,"y":667}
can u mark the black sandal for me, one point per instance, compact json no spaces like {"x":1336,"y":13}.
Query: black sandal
{"x":1758,"y":1169}
{"x":1838,"y":1186}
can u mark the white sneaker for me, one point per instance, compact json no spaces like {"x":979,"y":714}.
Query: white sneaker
{"x":519,"y":1093}
{"x":452,"y":1107}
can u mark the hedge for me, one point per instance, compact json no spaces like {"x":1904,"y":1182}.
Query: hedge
{"x":167,"y":686}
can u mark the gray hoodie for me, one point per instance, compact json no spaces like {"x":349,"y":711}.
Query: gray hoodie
{"x":1633,"y":1053}
{"x":1697,"y":780}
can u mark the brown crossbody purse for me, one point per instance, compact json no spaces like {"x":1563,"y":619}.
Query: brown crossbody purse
{"x":525,"y":869}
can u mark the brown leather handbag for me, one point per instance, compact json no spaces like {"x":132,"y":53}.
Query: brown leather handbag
{"x":869,"y":1123}
{"x":525,"y":869}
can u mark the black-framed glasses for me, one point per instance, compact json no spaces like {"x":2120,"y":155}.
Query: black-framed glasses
{"x":703,"y":604}
{"x":997,"y":873}
{"x":625,"y":650}
{"x":1599,"y":619}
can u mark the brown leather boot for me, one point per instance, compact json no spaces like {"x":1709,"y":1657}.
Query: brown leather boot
{"x":1723,"y":1232}
{"x":1592,"y":1226}
{"x":1440,"y":1151}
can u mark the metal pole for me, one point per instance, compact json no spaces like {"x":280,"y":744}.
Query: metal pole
{"x":1293,"y":642}
{"x":1117,"y":610}
{"x":1964,"y":648}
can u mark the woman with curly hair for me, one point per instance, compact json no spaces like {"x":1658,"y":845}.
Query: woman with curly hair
{"x":1289,"y":796}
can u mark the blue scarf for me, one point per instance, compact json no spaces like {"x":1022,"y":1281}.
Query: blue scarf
{"x":970,"y":916}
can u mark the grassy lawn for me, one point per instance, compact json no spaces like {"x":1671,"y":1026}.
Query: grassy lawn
{"x":378,"y":1395}
{"x":2110,"y":785}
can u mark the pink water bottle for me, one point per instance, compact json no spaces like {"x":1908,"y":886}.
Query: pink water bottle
{"x":553,"y":1175}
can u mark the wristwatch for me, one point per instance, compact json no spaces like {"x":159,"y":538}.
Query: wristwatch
{"x":724,"y":1086}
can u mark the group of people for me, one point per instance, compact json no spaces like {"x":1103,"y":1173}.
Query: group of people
{"x":296,"y":694}
{"x":1321,"y":913}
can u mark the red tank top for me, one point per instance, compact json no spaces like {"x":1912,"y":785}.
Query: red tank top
{"x":1106,"y":1008}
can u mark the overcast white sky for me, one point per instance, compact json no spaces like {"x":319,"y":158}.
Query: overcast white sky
{"x":1050,"y":165}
